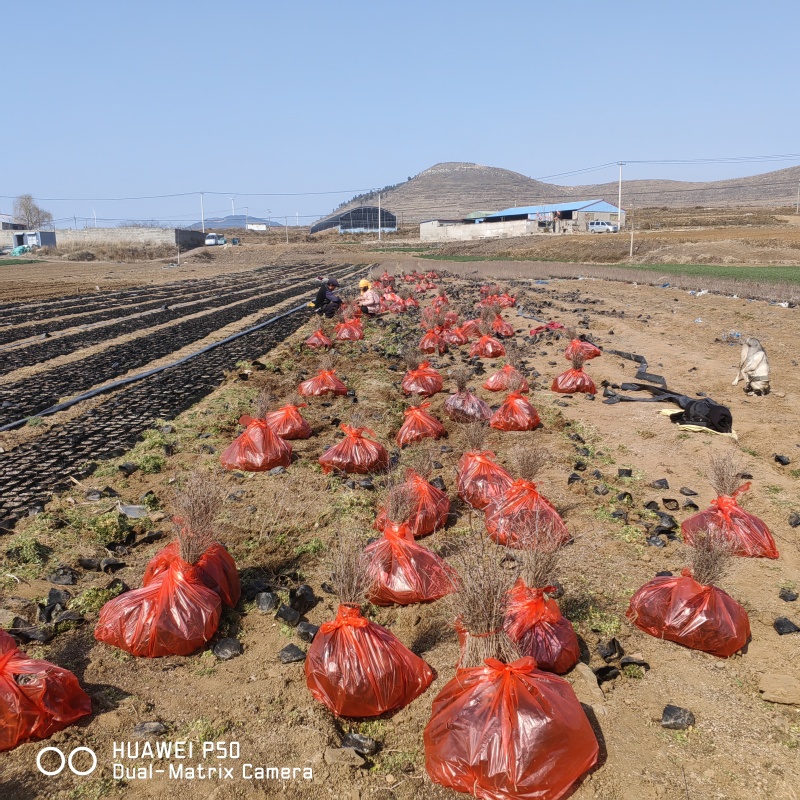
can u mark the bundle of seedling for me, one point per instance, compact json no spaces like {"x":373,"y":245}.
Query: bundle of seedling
{"x":356,"y":453}
{"x":356,"y":667}
{"x":516,"y":413}
{"x":688,"y":608}
{"x":520,"y":509}
{"x":464,"y":405}
{"x":260,"y":447}
{"x":744,"y":532}
{"x":404,"y":572}
{"x":324,"y":382}
{"x":421,"y":378}
{"x":501,"y":728}
{"x":480,"y":479}
{"x":177,"y":610}
{"x":575,"y":379}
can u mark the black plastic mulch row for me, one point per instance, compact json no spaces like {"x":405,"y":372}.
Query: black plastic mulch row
{"x":28,"y":397}
{"x":32,"y":471}
{"x":52,"y":348}
{"x":116,"y":304}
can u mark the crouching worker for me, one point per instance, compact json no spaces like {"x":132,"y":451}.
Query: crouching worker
{"x":369,"y":300}
{"x":327,"y":302}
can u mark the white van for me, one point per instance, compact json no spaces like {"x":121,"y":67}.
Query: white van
{"x":215,"y":238}
{"x":596,"y":226}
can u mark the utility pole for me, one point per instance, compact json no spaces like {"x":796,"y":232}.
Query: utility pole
{"x":379,"y":216}
{"x":246,"y":209}
{"x":633,"y":207}
{"x":202,"y":213}
{"x":286,"y":226}
{"x":798,"y":198}
{"x":75,"y":220}
{"x":95,"y":217}
{"x":619,"y":201}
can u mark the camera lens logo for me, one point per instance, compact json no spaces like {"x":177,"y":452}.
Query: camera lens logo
{"x":66,"y":761}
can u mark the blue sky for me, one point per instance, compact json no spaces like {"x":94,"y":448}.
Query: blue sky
{"x":132,"y":99}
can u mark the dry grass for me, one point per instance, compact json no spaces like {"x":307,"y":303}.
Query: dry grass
{"x":515,"y":383}
{"x":473,"y":436}
{"x":349,"y":568}
{"x":358,"y":418}
{"x":399,"y":503}
{"x":528,"y":460}
{"x":480,"y":598}
{"x":461,"y":376}
{"x":264,"y":403}
{"x":710,"y":557}
{"x":328,"y":362}
{"x":577,"y":360}
{"x":198,"y":504}
{"x":110,"y":251}
{"x":724,"y":470}
{"x":411,"y":358}
{"x":421,"y":458}
{"x":513,"y":354}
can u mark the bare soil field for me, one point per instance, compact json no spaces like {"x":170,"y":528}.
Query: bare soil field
{"x":280,"y":529}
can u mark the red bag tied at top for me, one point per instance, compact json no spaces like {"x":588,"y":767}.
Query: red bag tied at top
{"x":680,"y":609}
{"x":359,"y":669}
{"x":257,"y":449}
{"x":37,"y":698}
{"x":508,"y":732}
{"x":355,"y":453}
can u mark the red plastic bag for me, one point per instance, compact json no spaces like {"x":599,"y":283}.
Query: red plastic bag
{"x":410,"y":302}
{"x":355,"y":453}
{"x":455,"y":336}
{"x":431,"y":507}
{"x":586,"y":349}
{"x":535,"y":624}
{"x":288,"y":423}
{"x":216,"y":569}
{"x":508,"y":732}
{"x":506,"y":300}
{"x":175,"y":614}
{"x":516,"y":414}
{"x":472,"y":328}
{"x":257,"y":449}
{"x":37,"y":698}
{"x":350,"y":331}
{"x":550,"y":326}
{"x":404,"y":572}
{"x":502,"y":328}
{"x":424,"y":380}
{"x":359,"y":669}
{"x":325,"y":382}
{"x":318,"y":339}
{"x":573,"y":380}
{"x":481,"y":479}
{"x":744,"y":532}
{"x":487,"y":347}
{"x":418,"y":425}
{"x":432,"y":342}
{"x":501,"y":380}
{"x":680,"y":609}
{"x":521,"y":512}
{"x":467,"y":407}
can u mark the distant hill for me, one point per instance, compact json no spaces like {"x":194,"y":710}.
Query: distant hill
{"x":451,"y":190}
{"x":231,"y":221}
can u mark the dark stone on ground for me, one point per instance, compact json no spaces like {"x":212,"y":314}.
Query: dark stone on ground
{"x":267,"y":601}
{"x":625,"y":497}
{"x":670,"y":504}
{"x":574,"y":478}
{"x":302,"y":598}
{"x":627,"y":661}
{"x":607,"y":673}
{"x":656,"y":541}
{"x":794,"y":519}
{"x":361,"y":744}
{"x":327,"y":588}
{"x":784,"y":625}
{"x":306,"y":631}
{"x":661,"y":483}
{"x":652,"y":505}
{"x":610,"y":650}
{"x":63,"y":576}
{"x":687,"y":492}
{"x":225,"y":649}
{"x":61,"y":596}
{"x":621,"y":515}
{"x":787,"y":595}
{"x":624,"y":472}
{"x":690,"y":505}
{"x":149,"y":728}
{"x":783,"y":460}
{"x":676,"y":718}
{"x":278,"y":471}
{"x":287,"y":615}
{"x":291,"y":654}
{"x":601,"y":490}
{"x":110,"y":565}
{"x":439,"y":483}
